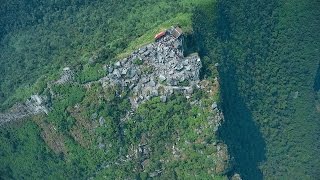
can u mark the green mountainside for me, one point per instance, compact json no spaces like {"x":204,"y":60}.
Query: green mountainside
{"x":44,"y":37}
{"x":87,"y":133}
{"x":260,"y":63}
{"x":268,"y":55}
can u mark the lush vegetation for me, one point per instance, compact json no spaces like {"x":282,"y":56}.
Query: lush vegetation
{"x":87,"y":133}
{"x":268,"y":57}
{"x":268,"y":66}
{"x":38,"y":39}
{"x":163,"y":136}
{"x":25,"y":155}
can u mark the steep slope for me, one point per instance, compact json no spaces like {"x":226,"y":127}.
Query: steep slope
{"x":268,"y":56}
{"x":40,"y":38}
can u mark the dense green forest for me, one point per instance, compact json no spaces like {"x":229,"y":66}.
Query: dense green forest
{"x":268,"y":55}
{"x":23,"y":149}
{"x":265,"y":53}
{"x":85,"y":134}
{"x":38,"y":38}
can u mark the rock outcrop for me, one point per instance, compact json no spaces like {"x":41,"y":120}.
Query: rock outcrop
{"x":67,"y":75}
{"x":157,"y":69}
{"x":34,"y":105}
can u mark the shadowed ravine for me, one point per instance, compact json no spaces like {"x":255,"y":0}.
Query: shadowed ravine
{"x":239,"y":131}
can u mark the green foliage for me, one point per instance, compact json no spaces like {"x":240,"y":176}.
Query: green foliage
{"x":67,"y":95}
{"x":267,"y":57}
{"x":157,"y":126}
{"x":184,"y":83}
{"x":40,"y":38}
{"x":137,"y":61}
{"x":147,"y":69}
{"x":155,"y":123}
{"x":90,"y":73}
{"x":24,"y":155}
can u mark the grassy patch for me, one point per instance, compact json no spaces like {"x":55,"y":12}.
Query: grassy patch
{"x":182,"y":19}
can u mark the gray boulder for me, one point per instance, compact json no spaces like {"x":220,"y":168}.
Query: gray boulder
{"x":162,"y":78}
{"x":214,"y":106}
{"x":131,"y":72}
{"x":101,"y":121}
{"x":163,"y":98}
{"x":117,"y":74}
{"x":152,"y":83}
{"x":117,"y":64}
{"x":110,"y":69}
{"x":179,"y":67}
{"x":124,"y":71}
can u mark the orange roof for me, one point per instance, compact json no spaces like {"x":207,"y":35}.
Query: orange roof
{"x":159,"y":35}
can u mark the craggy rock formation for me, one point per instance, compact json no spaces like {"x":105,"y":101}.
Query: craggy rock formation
{"x":67,"y":75}
{"x":34,"y":105}
{"x":157,"y":69}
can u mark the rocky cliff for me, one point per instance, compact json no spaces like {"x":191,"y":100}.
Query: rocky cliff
{"x":157,"y":69}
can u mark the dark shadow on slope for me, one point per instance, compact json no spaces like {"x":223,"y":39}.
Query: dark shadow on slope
{"x":316,"y":85}
{"x":239,"y":131}
{"x":245,"y":142}
{"x":189,"y":42}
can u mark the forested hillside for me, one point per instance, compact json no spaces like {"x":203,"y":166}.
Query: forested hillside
{"x":265,"y":55}
{"x":59,"y":50}
{"x":268,"y":55}
{"x":38,"y":38}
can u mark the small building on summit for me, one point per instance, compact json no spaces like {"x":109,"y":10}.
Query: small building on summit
{"x":177,"y":32}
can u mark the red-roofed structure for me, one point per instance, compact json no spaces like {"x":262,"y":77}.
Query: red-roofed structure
{"x":159,"y":35}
